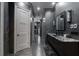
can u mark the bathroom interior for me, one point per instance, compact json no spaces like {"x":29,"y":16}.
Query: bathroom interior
{"x":51,"y":28}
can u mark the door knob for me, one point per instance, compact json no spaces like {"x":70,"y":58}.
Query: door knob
{"x":18,"y":35}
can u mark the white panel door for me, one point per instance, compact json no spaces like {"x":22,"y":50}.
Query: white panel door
{"x":22,"y":27}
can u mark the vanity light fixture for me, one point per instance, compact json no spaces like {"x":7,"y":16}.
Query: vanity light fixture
{"x":43,"y":19}
{"x":69,"y":16}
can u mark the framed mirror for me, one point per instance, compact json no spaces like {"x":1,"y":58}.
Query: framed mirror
{"x":60,"y":21}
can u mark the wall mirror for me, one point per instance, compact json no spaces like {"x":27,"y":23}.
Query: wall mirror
{"x":60,"y":21}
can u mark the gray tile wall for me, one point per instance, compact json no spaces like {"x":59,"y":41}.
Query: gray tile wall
{"x":47,"y":26}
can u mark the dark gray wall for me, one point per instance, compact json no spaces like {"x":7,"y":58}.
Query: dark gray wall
{"x":74,"y":6}
{"x":47,"y":26}
{"x":49,"y":21}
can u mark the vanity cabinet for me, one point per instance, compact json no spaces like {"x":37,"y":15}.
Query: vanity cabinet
{"x":71,"y":48}
{"x":62,"y":48}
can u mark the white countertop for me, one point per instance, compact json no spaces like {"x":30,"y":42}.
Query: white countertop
{"x":63,"y":39}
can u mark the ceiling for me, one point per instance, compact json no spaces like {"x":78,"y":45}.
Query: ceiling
{"x":42,"y":5}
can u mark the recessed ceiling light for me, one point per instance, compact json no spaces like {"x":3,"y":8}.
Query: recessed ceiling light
{"x":61,"y":3}
{"x":53,"y":3}
{"x":21,"y":3}
{"x":38,"y":8}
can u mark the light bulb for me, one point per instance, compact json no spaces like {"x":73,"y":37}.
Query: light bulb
{"x":38,"y":8}
{"x":53,"y":3}
{"x":21,"y":4}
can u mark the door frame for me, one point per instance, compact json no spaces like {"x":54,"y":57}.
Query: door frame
{"x":14,"y":29}
{"x":2,"y":29}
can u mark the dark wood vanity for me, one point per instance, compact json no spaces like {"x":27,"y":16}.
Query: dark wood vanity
{"x":63,"y":46}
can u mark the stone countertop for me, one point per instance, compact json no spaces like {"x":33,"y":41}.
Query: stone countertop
{"x":62,"y":38}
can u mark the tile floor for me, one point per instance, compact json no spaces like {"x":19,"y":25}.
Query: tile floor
{"x":24,"y":52}
{"x":36,"y":49}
